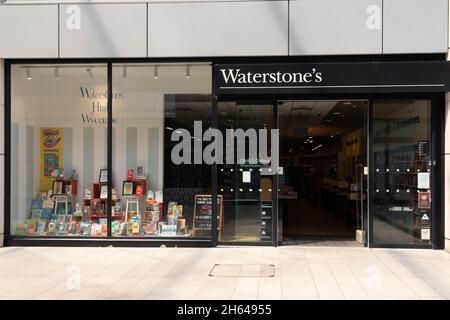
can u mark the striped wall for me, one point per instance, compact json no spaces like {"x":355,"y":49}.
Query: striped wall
{"x":85,"y":150}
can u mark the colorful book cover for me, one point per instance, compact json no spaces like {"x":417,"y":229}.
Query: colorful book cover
{"x":159,"y":196}
{"x":48,"y":203}
{"x":150,"y":195}
{"x":46,"y":213}
{"x":115,"y":226}
{"x":61,"y":218}
{"x":60,"y":229}
{"x":135,"y":227}
{"x":152,"y":227}
{"x":123,"y":229}
{"x":181,"y":225}
{"x":139,"y":190}
{"x":171,"y":220}
{"x":73,"y":228}
{"x":179,"y":211}
{"x":41,"y":227}
{"x":68,"y":218}
{"x":36,"y":204}
{"x":85,"y":229}
{"x":143,"y":229}
{"x":21,"y":229}
{"x":171,"y":207}
{"x":51,"y":229}
{"x":36,"y":213}
{"x":31,"y":228}
{"x":103,"y":225}
{"x":60,"y":208}
{"x":96,"y":229}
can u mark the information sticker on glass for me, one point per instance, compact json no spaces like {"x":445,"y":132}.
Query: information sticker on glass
{"x":423,"y":180}
{"x":246,"y":177}
{"x":425,"y":234}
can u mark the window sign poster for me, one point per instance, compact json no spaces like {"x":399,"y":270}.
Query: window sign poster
{"x":423,"y":180}
{"x":51,"y":155}
{"x":425,"y":234}
{"x":424,"y":201}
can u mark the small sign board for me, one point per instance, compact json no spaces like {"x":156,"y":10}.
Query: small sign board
{"x":203,"y":213}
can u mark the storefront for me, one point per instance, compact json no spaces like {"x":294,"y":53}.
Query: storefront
{"x":90,"y":151}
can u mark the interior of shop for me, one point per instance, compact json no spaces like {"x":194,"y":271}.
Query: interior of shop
{"x":323,"y":150}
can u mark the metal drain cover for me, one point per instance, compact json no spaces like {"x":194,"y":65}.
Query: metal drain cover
{"x":243,"y":270}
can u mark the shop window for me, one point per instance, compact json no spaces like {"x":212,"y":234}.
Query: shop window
{"x":154,"y":196}
{"x":58,"y":150}
{"x":401,"y":196}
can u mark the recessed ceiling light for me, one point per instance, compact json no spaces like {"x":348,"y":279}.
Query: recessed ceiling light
{"x":188,"y":72}
{"x":336,"y":113}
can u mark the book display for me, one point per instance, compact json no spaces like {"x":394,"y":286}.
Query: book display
{"x":135,"y":211}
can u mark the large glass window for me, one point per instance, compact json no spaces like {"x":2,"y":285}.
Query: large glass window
{"x":401,"y":195}
{"x":155,"y":195}
{"x":58,"y":149}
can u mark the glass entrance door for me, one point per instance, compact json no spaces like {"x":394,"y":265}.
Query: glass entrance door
{"x":247,"y":191}
{"x":321,"y":181}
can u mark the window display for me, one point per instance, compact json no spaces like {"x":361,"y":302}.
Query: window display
{"x":157,"y":197}
{"x":66,"y":130}
{"x":56,"y":152}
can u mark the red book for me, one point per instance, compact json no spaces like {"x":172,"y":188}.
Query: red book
{"x":130,"y":174}
{"x":139,"y":190}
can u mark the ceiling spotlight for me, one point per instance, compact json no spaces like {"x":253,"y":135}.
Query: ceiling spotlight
{"x":155,"y":72}
{"x":188,"y":71}
{"x":124,"y":72}
{"x":28,"y":73}
{"x":89,"y":70}
{"x":57,"y":76}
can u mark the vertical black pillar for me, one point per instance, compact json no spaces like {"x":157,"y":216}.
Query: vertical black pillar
{"x":7,"y":156}
{"x":215,"y":208}
{"x":275,"y":179}
{"x":438,"y":171}
{"x":109,"y":147}
{"x":368,"y":219}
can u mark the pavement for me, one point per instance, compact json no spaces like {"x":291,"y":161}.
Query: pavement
{"x":286,"y":272}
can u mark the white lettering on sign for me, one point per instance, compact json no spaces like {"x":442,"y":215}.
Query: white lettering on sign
{"x":373,"y":21}
{"x":73,"y":21}
{"x":236,"y":76}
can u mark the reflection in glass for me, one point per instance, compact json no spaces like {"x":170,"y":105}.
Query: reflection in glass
{"x":401,"y":197}
{"x":246,"y":191}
